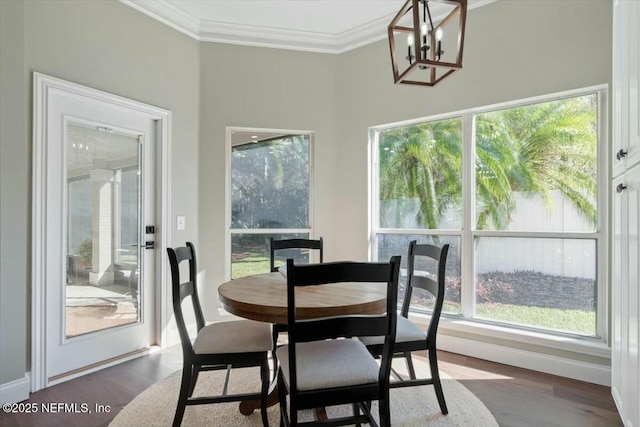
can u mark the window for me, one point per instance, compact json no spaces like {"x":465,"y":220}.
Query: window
{"x":270,"y":195}
{"x":420,"y":189}
{"x":516,"y":191}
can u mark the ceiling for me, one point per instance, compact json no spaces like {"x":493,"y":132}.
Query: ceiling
{"x":327,"y":26}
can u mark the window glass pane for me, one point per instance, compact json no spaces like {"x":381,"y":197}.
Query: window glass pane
{"x":398,"y":244}
{"x":536,"y":167}
{"x":543,"y":283}
{"x":420,"y":175}
{"x":535,"y":176}
{"x":250,"y":253}
{"x":270,"y":183}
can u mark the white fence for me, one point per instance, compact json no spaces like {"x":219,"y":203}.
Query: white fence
{"x":561,"y":257}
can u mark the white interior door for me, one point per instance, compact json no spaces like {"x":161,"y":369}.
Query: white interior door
{"x":100,"y":199}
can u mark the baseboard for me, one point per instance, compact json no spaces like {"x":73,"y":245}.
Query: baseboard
{"x":617,"y":400}
{"x":550,"y":364}
{"x":15,"y":391}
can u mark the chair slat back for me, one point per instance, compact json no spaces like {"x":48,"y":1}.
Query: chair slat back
{"x":276,"y":245}
{"x":425,"y":283}
{"x":306,"y":330}
{"x":435,"y":287}
{"x":181,"y":290}
{"x":341,"y":326}
{"x":335,"y":272}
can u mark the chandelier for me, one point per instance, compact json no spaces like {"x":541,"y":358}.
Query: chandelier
{"x":424,"y":53}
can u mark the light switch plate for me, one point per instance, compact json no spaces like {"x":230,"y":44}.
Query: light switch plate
{"x":180,"y":222}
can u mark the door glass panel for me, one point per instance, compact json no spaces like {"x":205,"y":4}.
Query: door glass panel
{"x":103,"y":227}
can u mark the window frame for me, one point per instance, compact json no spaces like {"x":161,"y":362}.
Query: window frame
{"x":468,"y":233}
{"x":228,"y":193}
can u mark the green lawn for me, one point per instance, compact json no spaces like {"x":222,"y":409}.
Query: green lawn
{"x":249,"y":266}
{"x":577,"y":321}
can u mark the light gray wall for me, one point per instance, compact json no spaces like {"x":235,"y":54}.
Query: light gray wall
{"x":14,"y":195}
{"x":269,"y":88}
{"x":514,"y":49}
{"x":108,"y":46}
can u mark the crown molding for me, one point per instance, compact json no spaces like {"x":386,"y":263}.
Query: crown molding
{"x":167,"y":13}
{"x":250,"y":35}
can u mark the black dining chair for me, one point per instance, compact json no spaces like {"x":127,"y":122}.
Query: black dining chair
{"x":223,"y":345}
{"x":283,"y":245}
{"x":409,"y":336}
{"x":278,"y":245}
{"x":321,"y":366}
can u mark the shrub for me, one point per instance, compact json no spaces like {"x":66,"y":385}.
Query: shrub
{"x":85,"y":252}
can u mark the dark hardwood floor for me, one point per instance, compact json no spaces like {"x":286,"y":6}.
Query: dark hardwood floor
{"x":516,"y":397}
{"x":520,"y":398}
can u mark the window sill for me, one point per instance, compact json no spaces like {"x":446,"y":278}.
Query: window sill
{"x":569,"y":347}
{"x":579,"y":358}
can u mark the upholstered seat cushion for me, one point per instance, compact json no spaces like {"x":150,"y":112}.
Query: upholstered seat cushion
{"x":406,"y":331}
{"x":328,"y":364}
{"x":240,"y":336}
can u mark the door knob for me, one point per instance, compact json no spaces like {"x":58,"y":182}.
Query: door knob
{"x":621,"y":187}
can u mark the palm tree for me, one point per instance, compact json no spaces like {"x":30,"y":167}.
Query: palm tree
{"x":422,"y":162}
{"x":531,"y":150}
{"x":494,"y":159}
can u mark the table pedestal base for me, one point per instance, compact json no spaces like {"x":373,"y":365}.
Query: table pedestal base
{"x":248,"y":406}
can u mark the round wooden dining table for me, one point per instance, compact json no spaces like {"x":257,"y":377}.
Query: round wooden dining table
{"x":263,"y":297}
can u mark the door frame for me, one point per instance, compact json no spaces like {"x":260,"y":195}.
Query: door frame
{"x":43,"y":86}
